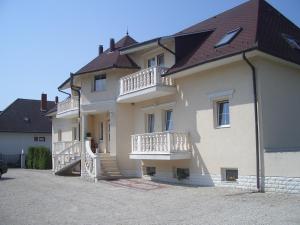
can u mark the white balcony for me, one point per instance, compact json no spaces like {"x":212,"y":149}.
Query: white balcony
{"x":160,"y":146}
{"x":68,"y":108}
{"x":145,"y":84}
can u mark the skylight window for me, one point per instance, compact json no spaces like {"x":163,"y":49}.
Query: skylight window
{"x":292,"y":41}
{"x":228,"y":37}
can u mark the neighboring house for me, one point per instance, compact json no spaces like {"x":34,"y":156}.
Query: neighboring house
{"x":214,"y":104}
{"x":24,"y":124}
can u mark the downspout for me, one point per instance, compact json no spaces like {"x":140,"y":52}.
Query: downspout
{"x":256,"y":121}
{"x":77,"y":90}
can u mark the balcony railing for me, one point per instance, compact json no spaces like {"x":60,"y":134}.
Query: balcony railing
{"x":160,"y":143}
{"x":67,"y":105}
{"x":143,"y":79}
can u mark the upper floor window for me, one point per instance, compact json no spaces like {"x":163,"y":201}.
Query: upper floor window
{"x":74,"y":133}
{"x":169,"y":120}
{"x":228,"y":37}
{"x":100,"y":83}
{"x":151,"y":62}
{"x":161,"y":60}
{"x":223,"y":113}
{"x":294,"y":43}
{"x":150,"y":123}
{"x":158,"y":60}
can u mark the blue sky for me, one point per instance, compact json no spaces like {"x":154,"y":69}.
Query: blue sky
{"x":41,"y":42}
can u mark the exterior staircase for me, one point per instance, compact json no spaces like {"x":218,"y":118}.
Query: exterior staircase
{"x":109,"y":167}
{"x":66,"y":158}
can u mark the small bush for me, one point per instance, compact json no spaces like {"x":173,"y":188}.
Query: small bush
{"x":38,"y":158}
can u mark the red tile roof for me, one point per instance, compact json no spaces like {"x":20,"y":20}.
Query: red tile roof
{"x":110,"y":59}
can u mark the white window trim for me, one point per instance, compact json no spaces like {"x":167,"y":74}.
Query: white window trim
{"x":221,"y":95}
{"x":216,"y":97}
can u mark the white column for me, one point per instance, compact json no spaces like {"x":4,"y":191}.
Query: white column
{"x":83,"y":134}
{"x":113,"y":133}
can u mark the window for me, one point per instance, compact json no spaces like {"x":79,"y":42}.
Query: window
{"x":169,"y":120}
{"x":42,"y":139}
{"x":74,"y":133}
{"x":36,"y":139}
{"x":292,"y":41}
{"x":182,"y":173}
{"x":151,"y":62}
{"x":228,"y":37}
{"x":59,"y":135}
{"x":223,"y":113}
{"x":161,"y":60}
{"x":150,"y":171}
{"x":229,"y":174}
{"x":101,"y":131}
{"x":150,"y":123}
{"x":100,"y":83}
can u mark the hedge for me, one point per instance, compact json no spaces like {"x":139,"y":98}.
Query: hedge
{"x":38,"y":157}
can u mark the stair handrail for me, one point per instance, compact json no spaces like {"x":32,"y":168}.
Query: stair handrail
{"x":72,"y":151}
{"x":91,"y":161}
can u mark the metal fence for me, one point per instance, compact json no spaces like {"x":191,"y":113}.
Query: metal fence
{"x":12,"y":160}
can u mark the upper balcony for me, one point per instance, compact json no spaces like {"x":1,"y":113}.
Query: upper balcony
{"x":166,"y":145}
{"x":145,"y":84}
{"x":68,"y":108}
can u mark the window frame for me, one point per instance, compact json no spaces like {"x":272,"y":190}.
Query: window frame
{"x":148,"y":130}
{"x":74,"y":134}
{"x":217,"y":113}
{"x":59,"y":135}
{"x":224,"y":175}
{"x":153,"y":59}
{"x":223,"y":42}
{"x":42,"y":139}
{"x":166,"y":119}
{"x":157,"y":59}
{"x":101,"y":130}
{"x":99,"y":78}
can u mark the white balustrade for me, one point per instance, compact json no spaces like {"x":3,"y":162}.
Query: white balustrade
{"x":71,"y":152}
{"x":143,"y":79}
{"x":91,"y":162}
{"x":160,"y":143}
{"x":70,"y":103}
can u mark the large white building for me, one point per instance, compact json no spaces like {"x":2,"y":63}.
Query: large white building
{"x":216,"y":104}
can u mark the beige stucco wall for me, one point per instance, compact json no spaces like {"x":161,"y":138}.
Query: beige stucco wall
{"x":279,"y":91}
{"x":213,"y":148}
{"x":141,"y":57}
{"x":65,"y":125}
{"x":89,"y":96}
{"x":13,"y":143}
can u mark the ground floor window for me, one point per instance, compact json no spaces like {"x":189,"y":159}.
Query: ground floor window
{"x":229,"y":174}
{"x":150,"y":170}
{"x":39,"y":139}
{"x":182,"y":173}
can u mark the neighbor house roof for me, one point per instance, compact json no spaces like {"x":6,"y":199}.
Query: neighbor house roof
{"x":261,"y":27}
{"x":25,"y":116}
{"x":111,"y":59}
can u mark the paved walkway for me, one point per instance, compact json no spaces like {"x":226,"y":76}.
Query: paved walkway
{"x":29,"y":197}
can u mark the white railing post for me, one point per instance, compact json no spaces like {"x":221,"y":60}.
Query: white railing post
{"x":121,"y":86}
{"x":97,"y":166}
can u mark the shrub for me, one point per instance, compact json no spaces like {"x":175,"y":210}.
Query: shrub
{"x":38,"y":158}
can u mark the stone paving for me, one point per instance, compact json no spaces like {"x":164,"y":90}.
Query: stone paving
{"x":31,"y":197}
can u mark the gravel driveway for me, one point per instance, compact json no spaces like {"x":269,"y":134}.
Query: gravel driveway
{"x":31,"y":197}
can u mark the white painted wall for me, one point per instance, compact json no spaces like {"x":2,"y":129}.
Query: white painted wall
{"x":13,"y":143}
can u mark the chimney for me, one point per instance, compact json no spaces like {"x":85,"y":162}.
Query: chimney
{"x":112,"y":44}
{"x":44,"y":102}
{"x":100,"y":49}
{"x":56,"y":99}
